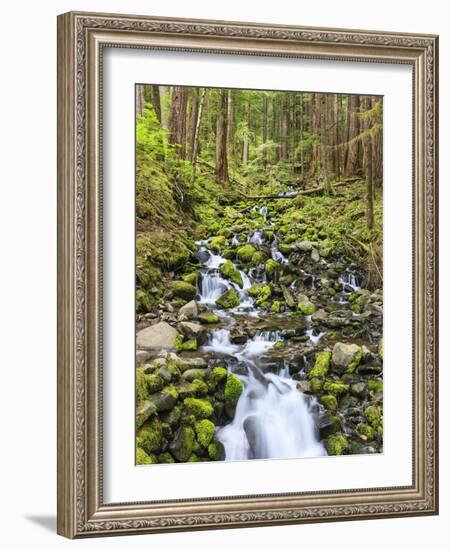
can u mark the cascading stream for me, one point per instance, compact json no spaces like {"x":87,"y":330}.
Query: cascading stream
{"x":273,"y":419}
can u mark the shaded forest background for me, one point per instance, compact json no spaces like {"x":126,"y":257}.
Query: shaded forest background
{"x":205,"y":157}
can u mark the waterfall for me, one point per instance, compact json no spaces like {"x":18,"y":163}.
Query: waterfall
{"x":212,"y":286}
{"x":275,"y":253}
{"x":273,"y":420}
{"x":263,"y":212}
{"x":256,"y":237}
{"x":349,"y":281}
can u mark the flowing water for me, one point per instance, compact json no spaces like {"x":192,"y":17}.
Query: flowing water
{"x":273,"y":419}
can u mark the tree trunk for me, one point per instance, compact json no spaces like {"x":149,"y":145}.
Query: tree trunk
{"x":178,"y":120}
{"x":302,"y":153}
{"x":195,"y":143}
{"x":353,"y":162}
{"x":156,"y":102}
{"x":245,"y":133}
{"x":264,"y":126}
{"x":164,"y":101}
{"x":324,"y":164}
{"x":230,"y":124}
{"x":140,"y":101}
{"x":221,"y":138}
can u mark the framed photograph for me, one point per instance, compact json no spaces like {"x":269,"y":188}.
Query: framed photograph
{"x":247,"y":283}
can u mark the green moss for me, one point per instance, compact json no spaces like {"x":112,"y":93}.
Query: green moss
{"x":217,"y":243}
{"x":171,"y":390}
{"x":321,"y":365}
{"x":245,"y":253}
{"x":375,"y":386}
{"x":336,"y":388}
{"x":194,"y":458}
{"x":144,"y":301}
{"x":230,"y":272}
{"x":228,"y":300}
{"x":191,"y":278}
{"x":199,"y":408}
{"x":154,"y":382}
{"x":184,"y":290}
{"x":205,"y":432}
{"x":381,"y":349}
{"x":365,"y":432}
{"x":199,"y":388}
{"x":316,"y":385}
{"x":150,"y":436}
{"x":141,"y":385}
{"x":329,"y":402}
{"x":276,"y":307}
{"x":184,"y":444}
{"x":261,"y":292}
{"x":143,"y":458}
{"x":217,"y":375}
{"x":165,"y":458}
{"x":208,"y":318}
{"x":233,"y":388}
{"x":356,"y":360}
{"x":272,"y":269}
{"x":337,"y":444}
{"x":216,"y":451}
{"x":189,"y":345}
{"x":373,"y":414}
{"x":305,"y":306}
{"x":258,"y":258}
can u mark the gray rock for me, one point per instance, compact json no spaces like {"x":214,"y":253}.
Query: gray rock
{"x":344,"y":355}
{"x":189,"y":310}
{"x":304,"y":386}
{"x":319,"y":316}
{"x":142,"y":356}
{"x":194,"y":331}
{"x":193,"y":374}
{"x":315,"y":256}
{"x":304,"y":246}
{"x":163,"y":401}
{"x":191,"y":363}
{"x":358,"y":389}
{"x":159,"y":336}
{"x":144,"y":412}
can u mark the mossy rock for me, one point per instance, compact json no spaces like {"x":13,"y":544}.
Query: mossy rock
{"x":365,"y":432}
{"x":165,"y":458}
{"x":329,"y":402}
{"x":230,"y":272}
{"x":216,"y":451}
{"x":336,"y":388}
{"x":272,"y":269}
{"x":336,"y":444}
{"x":233,"y":389}
{"x":199,"y":408}
{"x":150,"y":436}
{"x":144,"y":301}
{"x":184,"y":290}
{"x":216,"y":376}
{"x":205,"y":430}
{"x":373,"y":413}
{"x":208,"y":318}
{"x":258,"y":258}
{"x":144,"y":411}
{"x":261,"y":292}
{"x":154,"y":382}
{"x":189,"y":345}
{"x":191,"y":278}
{"x":305,"y":306}
{"x":275,"y":307}
{"x":228,"y":300}
{"x":316,"y":385}
{"x":245,"y":253}
{"x":375,"y":386}
{"x":143,"y":458}
{"x":321,"y":365}
{"x":217,"y":243}
{"x":183,"y":444}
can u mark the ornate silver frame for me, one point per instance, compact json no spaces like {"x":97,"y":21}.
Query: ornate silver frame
{"x":81,"y":38}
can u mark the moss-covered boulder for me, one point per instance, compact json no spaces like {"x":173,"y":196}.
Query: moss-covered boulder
{"x":199,"y":408}
{"x":143,"y":458}
{"x":217,"y":243}
{"x":321,"y":366}
{"x":305,"y":306}
{"x":336,"y":444}
{"x":230,"y":272}
{"x":191,"y":278}
{"x":150,"y":436}
{"x":346,"y":357}
{"x":272,"y":269}
{"x":228,"y":300}
{"x":184,"y":290}
{"x":245,"y":253}
{"x":373,"y":413}
{"x":366,"y":433}
{"x":217,"y":375}
{"x":329,"y":402}
{"x":216,"y":451}
{"x":275,"y":307}
{"x":144,"y":411}
{"x":233,"y":389}
{"x":258,"y":258}
{"x":335,"y":388}
{"x":208,"y":318}
{"x":165,"y":399}
{"x":204,"y":430}
{"x":261,"y":292}
{"x":183,"y":443}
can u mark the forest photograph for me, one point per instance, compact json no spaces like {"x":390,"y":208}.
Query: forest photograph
{"x":259,"y":274}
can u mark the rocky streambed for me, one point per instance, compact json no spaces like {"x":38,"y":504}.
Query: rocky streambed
{"x":271,"y":348}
